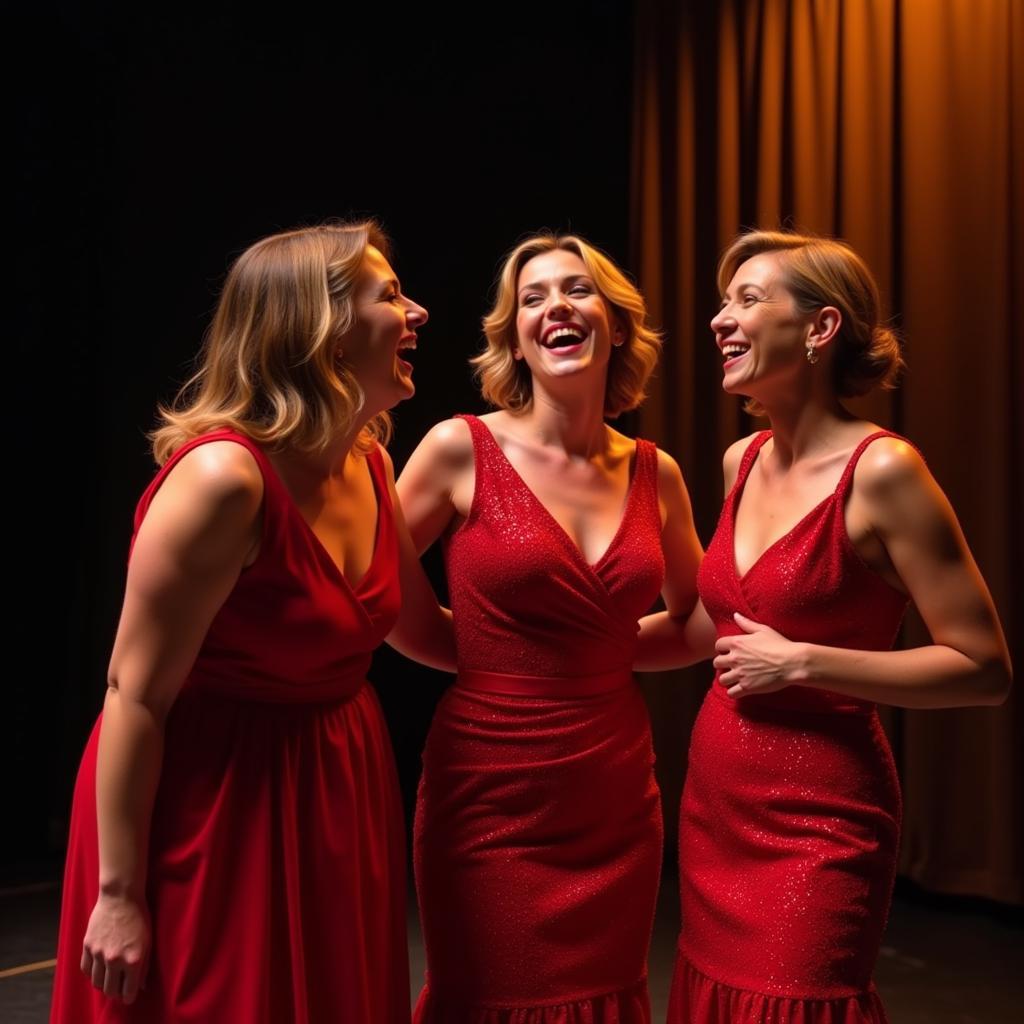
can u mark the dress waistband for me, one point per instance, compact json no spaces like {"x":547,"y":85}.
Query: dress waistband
{"x":555,"y":687}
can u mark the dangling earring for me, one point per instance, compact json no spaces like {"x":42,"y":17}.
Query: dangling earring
{"x":812,"y":354}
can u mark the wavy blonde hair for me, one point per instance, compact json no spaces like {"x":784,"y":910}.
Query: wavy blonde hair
{"x":506,"y":382}
{"x":269,"y":365}
{"x":819,"y":271}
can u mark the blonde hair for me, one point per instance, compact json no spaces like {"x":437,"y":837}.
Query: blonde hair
{"x":269,"y":365}
{"x":827,"y":272}
{"x":506,"y":381}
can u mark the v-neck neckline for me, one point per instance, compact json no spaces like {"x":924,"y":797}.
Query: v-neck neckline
{"x":353,"y":588}
{"x":593,"y":567}
{"x":741,"y":485}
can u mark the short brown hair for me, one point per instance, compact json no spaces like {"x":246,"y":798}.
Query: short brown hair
{"x":819,"y":272}
{"x":506,"y":381}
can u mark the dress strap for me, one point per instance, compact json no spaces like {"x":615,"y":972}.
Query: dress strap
{"x":845,"y":480}
{"x":379,"y":474}
{"x":214,"y":435}
{"x":747,"y":461}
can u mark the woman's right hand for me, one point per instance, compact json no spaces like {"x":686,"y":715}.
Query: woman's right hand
{"x":116,"y":947}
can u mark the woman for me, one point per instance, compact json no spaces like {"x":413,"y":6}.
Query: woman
{"x":538,"y":829}
{"x":790,"y":814}
{"x":236,"y":836}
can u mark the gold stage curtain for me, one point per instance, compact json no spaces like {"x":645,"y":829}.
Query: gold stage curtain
{"x":897,"y":125}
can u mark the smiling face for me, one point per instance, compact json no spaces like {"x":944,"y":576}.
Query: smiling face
{"x":759,"y":330}
{"x":564,"y":325}
{"x":383,"y":333}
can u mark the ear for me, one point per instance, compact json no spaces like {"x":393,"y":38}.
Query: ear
{"x":824,"y":327}
{"x":618,"y":334}
{"x":517,"y":353}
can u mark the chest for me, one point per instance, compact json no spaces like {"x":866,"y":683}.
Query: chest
{"x":342,"y":515}
{"x":584,"y":500}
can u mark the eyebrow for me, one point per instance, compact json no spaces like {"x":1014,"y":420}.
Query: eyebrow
{"x":570,"y":279}
{"x":746,"y":284}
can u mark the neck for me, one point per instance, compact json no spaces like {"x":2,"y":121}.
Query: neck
{"x":572,"y":421}
{"x":332,"y":460}
{"x":803,"y":426}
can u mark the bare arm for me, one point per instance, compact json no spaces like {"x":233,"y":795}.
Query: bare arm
{"x":436,"y":486}
{"x":189,"y":551}
{"x":423,"y":631}
{"x":682,"y":633}
{"x":967,"y":662}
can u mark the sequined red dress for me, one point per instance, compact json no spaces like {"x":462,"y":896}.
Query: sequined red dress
{"x":276,"y":877}
{"x":538,"y":827}
{"x":791,"y":809}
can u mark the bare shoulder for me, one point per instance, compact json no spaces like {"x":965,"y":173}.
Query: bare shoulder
{"x":448,"y":442}
{"x":734,"y":456}
{"x":443,"y":456}
{"x":207,"y":509}
{"x":890,"y":466}
{"x":669,"y":473}
{"x":218,"y":474}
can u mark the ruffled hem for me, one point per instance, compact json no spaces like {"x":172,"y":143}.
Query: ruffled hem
{"x":697,"y":999}
{"x":625,"y":1006}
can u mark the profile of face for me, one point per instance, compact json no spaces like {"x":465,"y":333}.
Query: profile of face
{"x":761,"y":333}
{"x":564,"y":325}
{"x":384,"y":332}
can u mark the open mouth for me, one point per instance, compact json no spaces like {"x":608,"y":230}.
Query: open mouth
{"x":734,"y":350}
{"x":566,"y":337}
{"x":405,"y":348}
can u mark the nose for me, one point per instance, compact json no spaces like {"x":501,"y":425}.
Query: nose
{"x":559,"y":307}
{"x":720,"y":319}
{"x":416,"y":315}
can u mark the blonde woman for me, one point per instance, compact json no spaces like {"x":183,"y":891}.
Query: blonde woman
{"x":538,"y":831}
{"x":236,"y":849}
{"x":791,"y":810}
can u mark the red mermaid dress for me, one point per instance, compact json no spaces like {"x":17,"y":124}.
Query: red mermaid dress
{"x":538,"y":833}
{"x":791,"y":809}
{"x":276,"y":859}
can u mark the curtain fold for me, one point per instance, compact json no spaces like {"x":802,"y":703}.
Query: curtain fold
{"x":895,"y":124}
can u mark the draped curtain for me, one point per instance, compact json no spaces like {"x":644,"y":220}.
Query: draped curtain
{"x":897,"y":125}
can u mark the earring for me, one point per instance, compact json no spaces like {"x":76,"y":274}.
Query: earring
{"x":812,"y":354}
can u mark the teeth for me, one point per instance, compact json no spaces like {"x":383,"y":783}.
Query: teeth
{"x":563,"y":332}
{"x":734,"y":350}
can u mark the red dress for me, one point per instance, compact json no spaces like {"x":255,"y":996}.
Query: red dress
{"x":276,"y":874}
{"x":538,"y":831}
{"x":790,"y":814}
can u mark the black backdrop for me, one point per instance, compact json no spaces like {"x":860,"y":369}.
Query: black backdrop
{"x":149,"y":152}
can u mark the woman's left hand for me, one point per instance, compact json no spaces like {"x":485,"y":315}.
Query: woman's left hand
{"x":758,"y":660}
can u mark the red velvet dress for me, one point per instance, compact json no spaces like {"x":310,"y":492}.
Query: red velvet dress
{"x":790,"y":814}
{"x":538,"y":831}
{"x":276,"y":876}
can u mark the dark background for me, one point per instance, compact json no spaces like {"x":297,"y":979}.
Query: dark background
{"x":150,"y":150}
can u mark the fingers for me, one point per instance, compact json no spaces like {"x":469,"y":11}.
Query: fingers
{"x":112,"y":982}
{"x":118,"y":979}
{"x":131,"y":985}
{"x":98,"y":972}
{"x":132,"y":981}
{"x":747,"y":625}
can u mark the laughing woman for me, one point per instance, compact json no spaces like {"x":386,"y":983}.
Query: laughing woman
{"x":237,"y":849}
{"x":538,"y":827}
{"x":831,"y":525}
